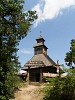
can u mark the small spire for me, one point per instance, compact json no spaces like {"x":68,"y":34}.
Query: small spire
{"x":40,"y":37}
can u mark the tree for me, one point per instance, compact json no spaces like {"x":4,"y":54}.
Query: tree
{"x":14,"y":25}
{"x":64,"y":88}
{"x":70,"y":56}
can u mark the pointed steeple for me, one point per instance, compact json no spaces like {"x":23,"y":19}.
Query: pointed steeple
{"x":40,"y":37}
{"x":40,"y":48}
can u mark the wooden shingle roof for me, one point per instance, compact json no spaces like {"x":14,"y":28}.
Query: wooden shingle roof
{"x":40,"y":37}
{"x":40,"y":44}
{"x":39,"y":60}
{"x":33,"y":64}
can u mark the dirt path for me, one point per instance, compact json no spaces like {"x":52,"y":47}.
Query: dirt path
{"x":29,"y":93}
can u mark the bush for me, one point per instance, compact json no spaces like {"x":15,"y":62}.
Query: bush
{"x":62,"y":89}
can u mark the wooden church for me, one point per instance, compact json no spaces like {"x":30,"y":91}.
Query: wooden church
{"x":40,"y":64}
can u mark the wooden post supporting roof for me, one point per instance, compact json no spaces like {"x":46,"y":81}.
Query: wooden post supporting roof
{"x":28,"y":75}
{"x":40,"y":75}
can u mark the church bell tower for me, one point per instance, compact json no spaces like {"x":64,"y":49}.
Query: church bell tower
{"x":40,"y":48}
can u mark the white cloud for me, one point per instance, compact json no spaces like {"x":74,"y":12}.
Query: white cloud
{"x":49,"y":9}
{"x":24,"y":51}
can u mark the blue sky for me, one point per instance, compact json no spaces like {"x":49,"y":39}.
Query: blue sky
{"x":56,"y":21}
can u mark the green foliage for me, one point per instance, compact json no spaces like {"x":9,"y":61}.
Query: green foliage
{"x":14,"y":25}
{"x":53,"y":90}
{"x":61,"y":88}
{"x":70,"y":56}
